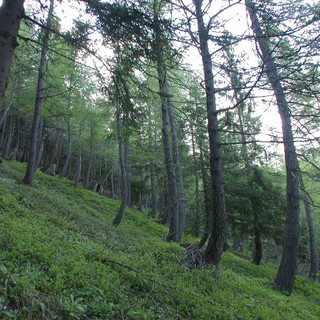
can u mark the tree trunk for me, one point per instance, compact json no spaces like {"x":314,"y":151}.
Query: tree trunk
{"x":288,"y":266}
{"x":177,"y":166}
{"x":51,"y":157}
{"x":69,"y":146}
{"x":58,"y":157}
{"x":9,"y":138}
{"x":5,"y":110}
{"x":3,"y":133}
{"x":153,"y":212}
{"x":79,"y":166}
{"x":197,"y":196}
{"x":207,"y":200}
{"x":218,"y":236}
{"x":41,"y":142}
{"x":173,"y":203}
{"x":31,"y":166}
{"x":173,"y":212}
{"x":238,"y":242}
{"x":69,"y":152}
{"x":113,"y":194}
{"x":16,"y":150}
{"x":235,"y":81}
{"x":11,"y":13}
{"x":257,"y":249}
{"x":25,"y":155}
{"x":314,"y":257}
{"x":124,"y":194}
{"x":164,"y":206}
{"x":88,"y":172}
{"x":126,"y":152}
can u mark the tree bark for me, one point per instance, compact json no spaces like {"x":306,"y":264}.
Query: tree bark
{"x":207,"y":200}
{"x":218,"y":236}
{"x":8,"y":139}
{"x":113,"y":194}
{"x":6,"y":109}
{"x":31,"y":166}
{"x":11,"y":13}
{"x":174,"y":233}
{"x":16,"y":150}
{"x":153,"y":179}
{"x":88,"y":172}
{"x":52,"y":155}
{"x":25,"y":155}
{"x":58,"y":156}
{"x":3,"y":133}
{"x":126,"y":152}
{"x":69,"y":146}
{"x":164,"y":206}
{"x":124,"y":192}
{"x":69,"y":151}
{"x":197,"y":193}
{"x":79,"y":167}
{"x":257,"y":250}
{"x":314,"y":257}
{"x":288,"y":266}
{"x":40,"y":142}
{"x":153,"y":212}
{"x":177,"y":167}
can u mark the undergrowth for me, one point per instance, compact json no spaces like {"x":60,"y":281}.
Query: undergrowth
{"x":61,"y":258}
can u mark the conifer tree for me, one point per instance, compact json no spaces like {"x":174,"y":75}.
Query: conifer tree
{"x":11,"y":13}
{"x":33,"y":150}
{"x":288,"y":265}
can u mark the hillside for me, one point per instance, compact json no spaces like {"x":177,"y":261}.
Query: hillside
{"x":61,"y":258}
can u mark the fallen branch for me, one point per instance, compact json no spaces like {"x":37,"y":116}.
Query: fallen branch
{"x":109,"y":261}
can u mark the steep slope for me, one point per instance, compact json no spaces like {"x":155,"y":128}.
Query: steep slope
{"x":61,"y":258}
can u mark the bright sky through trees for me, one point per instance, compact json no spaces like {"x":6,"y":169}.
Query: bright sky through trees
{"x":236,"y":23}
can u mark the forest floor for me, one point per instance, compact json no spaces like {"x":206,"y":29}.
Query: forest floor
{"x":61,"y":258}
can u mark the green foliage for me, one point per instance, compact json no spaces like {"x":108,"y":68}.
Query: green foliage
{"x":256,"y":189}
{"x":61,"y":258}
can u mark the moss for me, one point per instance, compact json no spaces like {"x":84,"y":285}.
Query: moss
{"x":61,"y":258}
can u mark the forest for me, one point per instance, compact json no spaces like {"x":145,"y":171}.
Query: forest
{"x":194,"y":121}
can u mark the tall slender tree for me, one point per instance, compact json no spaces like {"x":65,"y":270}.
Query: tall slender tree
{"x":123,"y":169}
{"x":218,"y":236}
{"x":31,"y":167}
{"x":314,"y":257}
{"x":287,"y":269}
{"x":176,"y":200}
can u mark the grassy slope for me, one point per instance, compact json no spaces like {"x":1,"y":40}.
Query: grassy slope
{"x":61,"y":258}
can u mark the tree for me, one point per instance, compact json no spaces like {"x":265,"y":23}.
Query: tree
{"x":288,"y":265}
{"x":69,"y":138}
{"x":122,"y":140}
{"x":314,"y":257}
{"x":140,"y":35}
{"x":11,"y":13}
{"x":176,"y":194}
{"x":218,"y":236}
{"x":31,"y":167}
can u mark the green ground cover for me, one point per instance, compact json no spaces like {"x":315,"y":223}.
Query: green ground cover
{"x":61,"y":258}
